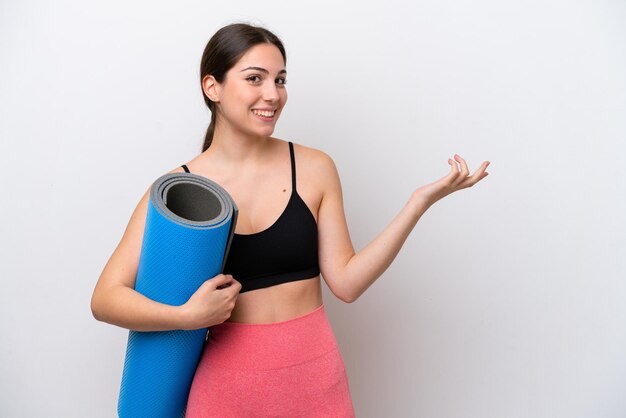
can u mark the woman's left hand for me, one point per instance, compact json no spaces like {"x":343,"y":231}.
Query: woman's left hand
{"x":457,"y":179}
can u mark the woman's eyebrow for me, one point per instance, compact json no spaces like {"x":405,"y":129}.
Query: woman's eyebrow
{"x":283,"y":71}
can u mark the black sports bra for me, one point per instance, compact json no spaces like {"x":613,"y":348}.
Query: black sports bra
{"x":284,"y":252}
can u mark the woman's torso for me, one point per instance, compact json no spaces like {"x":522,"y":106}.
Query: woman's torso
{"x":262,"y":194}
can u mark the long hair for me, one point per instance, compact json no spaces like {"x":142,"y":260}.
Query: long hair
{"x":223,"y":51}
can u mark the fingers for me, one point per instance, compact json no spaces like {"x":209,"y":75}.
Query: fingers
{"x":454,"y":171}
{"x":478,"y":175}
{"x":221,"y":280}
{"x":464,"y":180}
{"x":454,"y":167}
{"x":234,"y":283}
{"x":464,"y":169}
{"x":235,"y":287}
{"x":463,"y":172}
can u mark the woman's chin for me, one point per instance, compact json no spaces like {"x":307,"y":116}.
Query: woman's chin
{"x":266,"y":131}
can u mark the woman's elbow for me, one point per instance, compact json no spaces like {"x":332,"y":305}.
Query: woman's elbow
{"x":350,"y":297}
{"x":347,"y":299}
{"x":95,"y":308}
{"x":340,"y":289}
{"x":345,"y":295}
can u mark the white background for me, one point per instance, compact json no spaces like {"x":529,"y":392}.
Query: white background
{"x":507,"y":300}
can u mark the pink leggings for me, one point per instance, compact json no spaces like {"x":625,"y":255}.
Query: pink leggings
{"x":284,"y":369}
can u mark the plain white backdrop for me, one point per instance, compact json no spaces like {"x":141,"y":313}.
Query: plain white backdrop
{"x":507,"y":300}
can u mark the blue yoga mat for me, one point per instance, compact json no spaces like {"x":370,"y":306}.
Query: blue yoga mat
{"x":189,"y":227}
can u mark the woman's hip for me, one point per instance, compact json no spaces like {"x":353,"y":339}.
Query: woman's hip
{"x":289,"y":368}
{"x":243,"y":346}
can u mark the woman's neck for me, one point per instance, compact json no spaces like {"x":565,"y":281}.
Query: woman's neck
{"x":234,"y":147}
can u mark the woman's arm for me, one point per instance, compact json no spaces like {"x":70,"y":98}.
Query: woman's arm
{"x":115,"y":301}
{"x":349,"y":274}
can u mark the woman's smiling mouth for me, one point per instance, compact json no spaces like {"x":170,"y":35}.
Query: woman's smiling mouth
{"x":266,"y":115}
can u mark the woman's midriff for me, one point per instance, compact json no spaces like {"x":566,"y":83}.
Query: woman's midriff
{"x":278,"y":303}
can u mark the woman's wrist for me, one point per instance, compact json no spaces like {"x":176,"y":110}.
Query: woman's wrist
{"x":181,"y":317}
{"x":419,"y":203}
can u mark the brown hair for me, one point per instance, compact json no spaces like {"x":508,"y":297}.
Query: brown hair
{"x":221,"y":53}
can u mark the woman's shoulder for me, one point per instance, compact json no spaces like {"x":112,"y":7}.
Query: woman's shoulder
{"x":316,"y":169}
{"x":311,"y":157}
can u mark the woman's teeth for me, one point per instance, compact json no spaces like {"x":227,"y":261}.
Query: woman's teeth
{"x":265,"y":113}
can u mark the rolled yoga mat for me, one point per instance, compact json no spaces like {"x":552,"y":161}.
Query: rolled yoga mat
{"x":189,"y":227}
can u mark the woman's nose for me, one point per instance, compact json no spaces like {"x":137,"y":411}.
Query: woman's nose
{"x":270,"y":92}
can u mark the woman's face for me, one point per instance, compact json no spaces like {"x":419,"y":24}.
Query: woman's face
{"x":253,"y":92}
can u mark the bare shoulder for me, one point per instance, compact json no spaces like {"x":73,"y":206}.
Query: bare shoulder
{"x":313,"y":158}
{"x":316,"y":172}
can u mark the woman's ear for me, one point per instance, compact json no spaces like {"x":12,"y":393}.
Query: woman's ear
{"x":211,"y":89}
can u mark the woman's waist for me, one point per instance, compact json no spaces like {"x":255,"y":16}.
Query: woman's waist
{"x":277,"y":303}
{"x":265,"y":346}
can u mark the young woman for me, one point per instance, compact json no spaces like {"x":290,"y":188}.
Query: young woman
{"x":271,"y":350}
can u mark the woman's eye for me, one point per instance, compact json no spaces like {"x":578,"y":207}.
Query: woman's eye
{"x":255,"y":79}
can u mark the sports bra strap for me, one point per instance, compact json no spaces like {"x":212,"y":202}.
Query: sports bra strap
{"x":185,"y":168}
{"x":293,"y":168}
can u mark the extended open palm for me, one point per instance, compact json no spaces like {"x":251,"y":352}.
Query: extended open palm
{"x":457,"y":179}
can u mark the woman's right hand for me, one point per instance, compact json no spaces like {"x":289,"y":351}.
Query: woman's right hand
{"x":212,"y":303}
